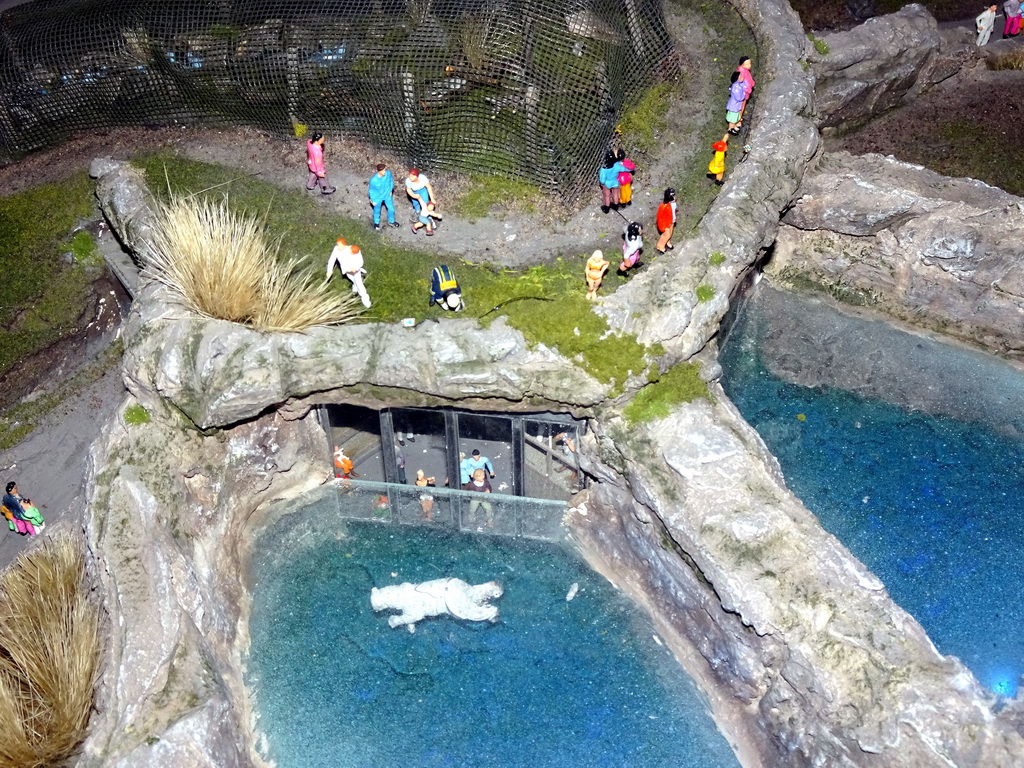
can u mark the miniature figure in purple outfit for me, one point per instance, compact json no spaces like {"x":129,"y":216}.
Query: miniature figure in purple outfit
{"x":737,"y":95}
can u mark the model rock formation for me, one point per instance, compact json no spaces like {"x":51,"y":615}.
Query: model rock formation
{"x":803,"y":656}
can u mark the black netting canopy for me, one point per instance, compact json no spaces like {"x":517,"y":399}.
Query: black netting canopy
{"x":529,"y":88}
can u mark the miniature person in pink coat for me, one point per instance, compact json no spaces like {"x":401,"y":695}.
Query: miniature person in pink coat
{"x":1012,"y":10}
{"x":744,"y":70}
{"x":315,"y":161}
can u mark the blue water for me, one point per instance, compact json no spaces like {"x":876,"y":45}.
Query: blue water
{"x":553,"y":683}
{"x":931,"y":505}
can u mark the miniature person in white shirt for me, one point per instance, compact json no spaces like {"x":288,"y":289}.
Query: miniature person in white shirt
{"x":984,"y":23}
{"x":349,"y":259}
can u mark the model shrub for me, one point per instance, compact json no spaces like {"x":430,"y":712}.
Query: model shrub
{"x":135,"y":414}
{"x":49,"y":651}
{"x":222,"y":265}
{"x":1012,"y":60}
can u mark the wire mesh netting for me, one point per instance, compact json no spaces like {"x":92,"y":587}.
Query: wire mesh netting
{"x":527,"y":88}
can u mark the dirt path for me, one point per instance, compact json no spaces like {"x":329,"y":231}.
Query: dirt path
{"x":50,"y":465}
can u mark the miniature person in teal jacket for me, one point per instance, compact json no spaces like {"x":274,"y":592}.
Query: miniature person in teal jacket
{"x":608,"y":176}
{"x":382,"y":188}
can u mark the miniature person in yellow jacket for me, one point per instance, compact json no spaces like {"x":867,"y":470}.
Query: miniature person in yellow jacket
{"x":716,"y":167}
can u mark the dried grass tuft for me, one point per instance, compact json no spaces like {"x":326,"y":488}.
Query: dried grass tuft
{"x":49,"y":652}
{"x":1011,"y":60}
{"x":221,"y":264}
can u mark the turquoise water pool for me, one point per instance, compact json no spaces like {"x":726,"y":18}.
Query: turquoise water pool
{"x":931,"y":504}
{"x":553,"y":683}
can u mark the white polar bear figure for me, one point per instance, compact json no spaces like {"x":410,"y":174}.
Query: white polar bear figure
{"x":437,"y":598}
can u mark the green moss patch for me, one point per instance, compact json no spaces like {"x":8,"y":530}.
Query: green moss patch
{"x":680,"y":384}
{"x":134,"y":415}
{"x":487,"y":193}
{"x":83,"y":248}
{"x":43,"y":294}
{"x":819,"y":45}
{"x":642,"y":124}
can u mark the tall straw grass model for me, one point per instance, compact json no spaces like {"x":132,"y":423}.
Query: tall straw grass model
{"x":49,"y":651}
{"x":222,"y":265}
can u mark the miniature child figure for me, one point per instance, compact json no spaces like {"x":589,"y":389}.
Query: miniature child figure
{"x":16,"y":510}
{"x":625,"y":168}
{"x":419,"y":190}
{"x":597,"y":265}
{"x":716,"y":168}
{"x":985,"y":22}
{"x":445,"y":290}
{"x":632,"y":245}
{"x":666,"y":221}
{"x":426,"y":499}
{"x":426,"y":219}
{"x":737,"y":95}
{"x":344,"y":468}
{"x":478,"y":482}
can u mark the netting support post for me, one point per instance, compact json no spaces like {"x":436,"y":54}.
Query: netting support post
{"x":633,"y":22}
{"x":291,"y":76}
{"x":531,"y":102}
{"x":409,"y":102}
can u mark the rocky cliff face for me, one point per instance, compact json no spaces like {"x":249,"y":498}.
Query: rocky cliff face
{"x":876,"y":66}
{"x":812,"y":340}
{"x":943,"y":254}
{"x":807,"y":659}
{"x":170,"y":518}
{"x":804,"y":657}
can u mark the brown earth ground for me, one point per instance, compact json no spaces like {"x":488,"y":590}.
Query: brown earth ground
{"x":970,"y":125}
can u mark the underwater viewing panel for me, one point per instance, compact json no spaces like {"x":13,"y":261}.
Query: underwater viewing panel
{"x":919,"y":474}
{"x":531,"y":455}
{"x":376,"y":645}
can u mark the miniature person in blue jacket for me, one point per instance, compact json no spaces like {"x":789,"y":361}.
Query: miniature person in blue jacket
{"x":608,"y":176}
{"x":470,"y":465}
{"x":382,"y":187}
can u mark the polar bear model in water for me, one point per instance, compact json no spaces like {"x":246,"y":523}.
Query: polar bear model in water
{"x":437,"y":598}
